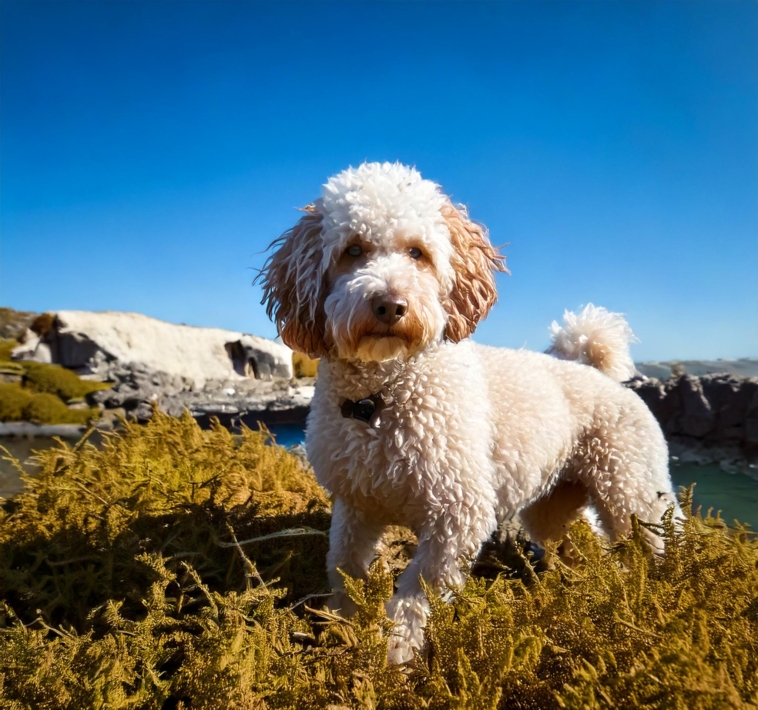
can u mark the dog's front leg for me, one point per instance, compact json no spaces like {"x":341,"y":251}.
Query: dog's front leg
{"x":352,"y":548}
{"x":446,"y":543}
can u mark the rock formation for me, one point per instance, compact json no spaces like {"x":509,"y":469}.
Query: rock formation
{"x":97,"y":344}
{"x":708,"y":418}
{"x":137,"y":389}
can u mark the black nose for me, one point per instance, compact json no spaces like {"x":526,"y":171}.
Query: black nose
{"x":389,"y":310}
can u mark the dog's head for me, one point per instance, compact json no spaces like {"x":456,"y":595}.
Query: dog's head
{"x":381,"y":265}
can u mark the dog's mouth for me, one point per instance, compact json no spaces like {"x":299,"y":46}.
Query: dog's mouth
{"x":381,"y":346}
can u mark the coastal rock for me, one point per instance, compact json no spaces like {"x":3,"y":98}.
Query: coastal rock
{"x":96,"y":343}
{"x":751,"y":420}
{"x":697,"y":418}
{"x":713,"y":417}
{"x":136,"y":389}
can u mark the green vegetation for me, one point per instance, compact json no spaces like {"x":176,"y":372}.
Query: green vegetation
{"x":58,"y":381}
{"x":13,"y":402}
{"x":6,"y":346}
{"x":41,"y":391}
{"x":172,"y":569}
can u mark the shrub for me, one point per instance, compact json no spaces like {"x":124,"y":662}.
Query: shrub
{"x":166,"y":570}
{"x":6,"y":346}
{"x":17,"y":403}
{"x":303,"y":366}
{"x":13,"y":401}
{"x":44,"y":408}
{"x":57,"y":380}
{"x":45,"y":390}
{"x":13,"y":323}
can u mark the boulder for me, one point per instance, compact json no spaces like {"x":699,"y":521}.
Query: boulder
{"x":257,"y":357}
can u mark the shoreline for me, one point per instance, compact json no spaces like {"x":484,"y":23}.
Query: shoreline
{"x":707,"y":419}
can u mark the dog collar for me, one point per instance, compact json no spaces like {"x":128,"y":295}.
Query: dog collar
{"x":364,"y":409}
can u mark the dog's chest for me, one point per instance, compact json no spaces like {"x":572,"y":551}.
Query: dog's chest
{"x":387,"y":466}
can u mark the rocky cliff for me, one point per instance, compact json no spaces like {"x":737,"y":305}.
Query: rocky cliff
{"x":708,"y":418}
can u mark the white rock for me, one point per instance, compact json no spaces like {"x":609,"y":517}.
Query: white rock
{"x":91,"y":341}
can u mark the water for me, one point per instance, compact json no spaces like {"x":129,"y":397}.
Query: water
{"x":288,"y":434}
{"x":21,"y":449}
{"x":735,"y":494}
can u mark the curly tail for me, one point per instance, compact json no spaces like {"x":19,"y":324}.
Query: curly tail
{"x":595,"y":337}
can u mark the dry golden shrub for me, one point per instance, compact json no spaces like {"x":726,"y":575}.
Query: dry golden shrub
{"x":303,"y":365}
{"x":121,"y":586}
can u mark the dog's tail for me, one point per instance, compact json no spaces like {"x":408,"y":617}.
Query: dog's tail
{"x":595,"y":337}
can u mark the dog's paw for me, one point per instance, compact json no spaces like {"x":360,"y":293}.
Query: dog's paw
{"x":400,"y":651}
{"x":409,"y":615}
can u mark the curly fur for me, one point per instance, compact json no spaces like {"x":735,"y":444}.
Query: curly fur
{"x":595,"y":337}
{"x":467,"y":435}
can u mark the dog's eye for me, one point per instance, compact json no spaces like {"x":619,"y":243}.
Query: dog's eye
{"x":354,"y":250}
{"x":415,"y":253}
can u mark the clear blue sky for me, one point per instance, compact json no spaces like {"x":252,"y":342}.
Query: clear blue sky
{"x":151,"y":150}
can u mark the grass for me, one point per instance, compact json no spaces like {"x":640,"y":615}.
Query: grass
{"x":174,"y":568}
{"x":42,"y":392}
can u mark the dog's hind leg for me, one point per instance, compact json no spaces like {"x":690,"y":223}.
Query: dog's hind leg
{"x":548,"y":518}
{"x":626,"y":472}
{"x":353,"y":542}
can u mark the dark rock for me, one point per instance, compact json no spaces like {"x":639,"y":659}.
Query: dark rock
{"x":74,"y":350}
{"x":697,"y":418}
{"x":142,"y":413}
{"x":708,"y":415}
{"x":751,"y":421}
{"x":136,"y":389}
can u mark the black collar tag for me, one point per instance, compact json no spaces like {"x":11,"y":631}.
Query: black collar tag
{"x":364,"y":409}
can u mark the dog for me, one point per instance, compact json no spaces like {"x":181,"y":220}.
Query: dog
{"x":412,"y":423}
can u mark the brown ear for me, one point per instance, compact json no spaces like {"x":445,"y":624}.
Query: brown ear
{"x":474,"y":261}
{"x":292,"y":285}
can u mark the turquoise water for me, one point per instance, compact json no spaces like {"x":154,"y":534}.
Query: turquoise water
{"x":735,"y":494}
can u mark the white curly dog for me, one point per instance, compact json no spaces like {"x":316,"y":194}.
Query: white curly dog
{"x":414,"y":424}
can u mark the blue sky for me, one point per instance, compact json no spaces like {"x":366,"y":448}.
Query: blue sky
{"x":150,"y":151}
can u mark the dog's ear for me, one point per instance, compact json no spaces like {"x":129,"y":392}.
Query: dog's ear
{"x":292,"y":284}
{"x":474,"y":262}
